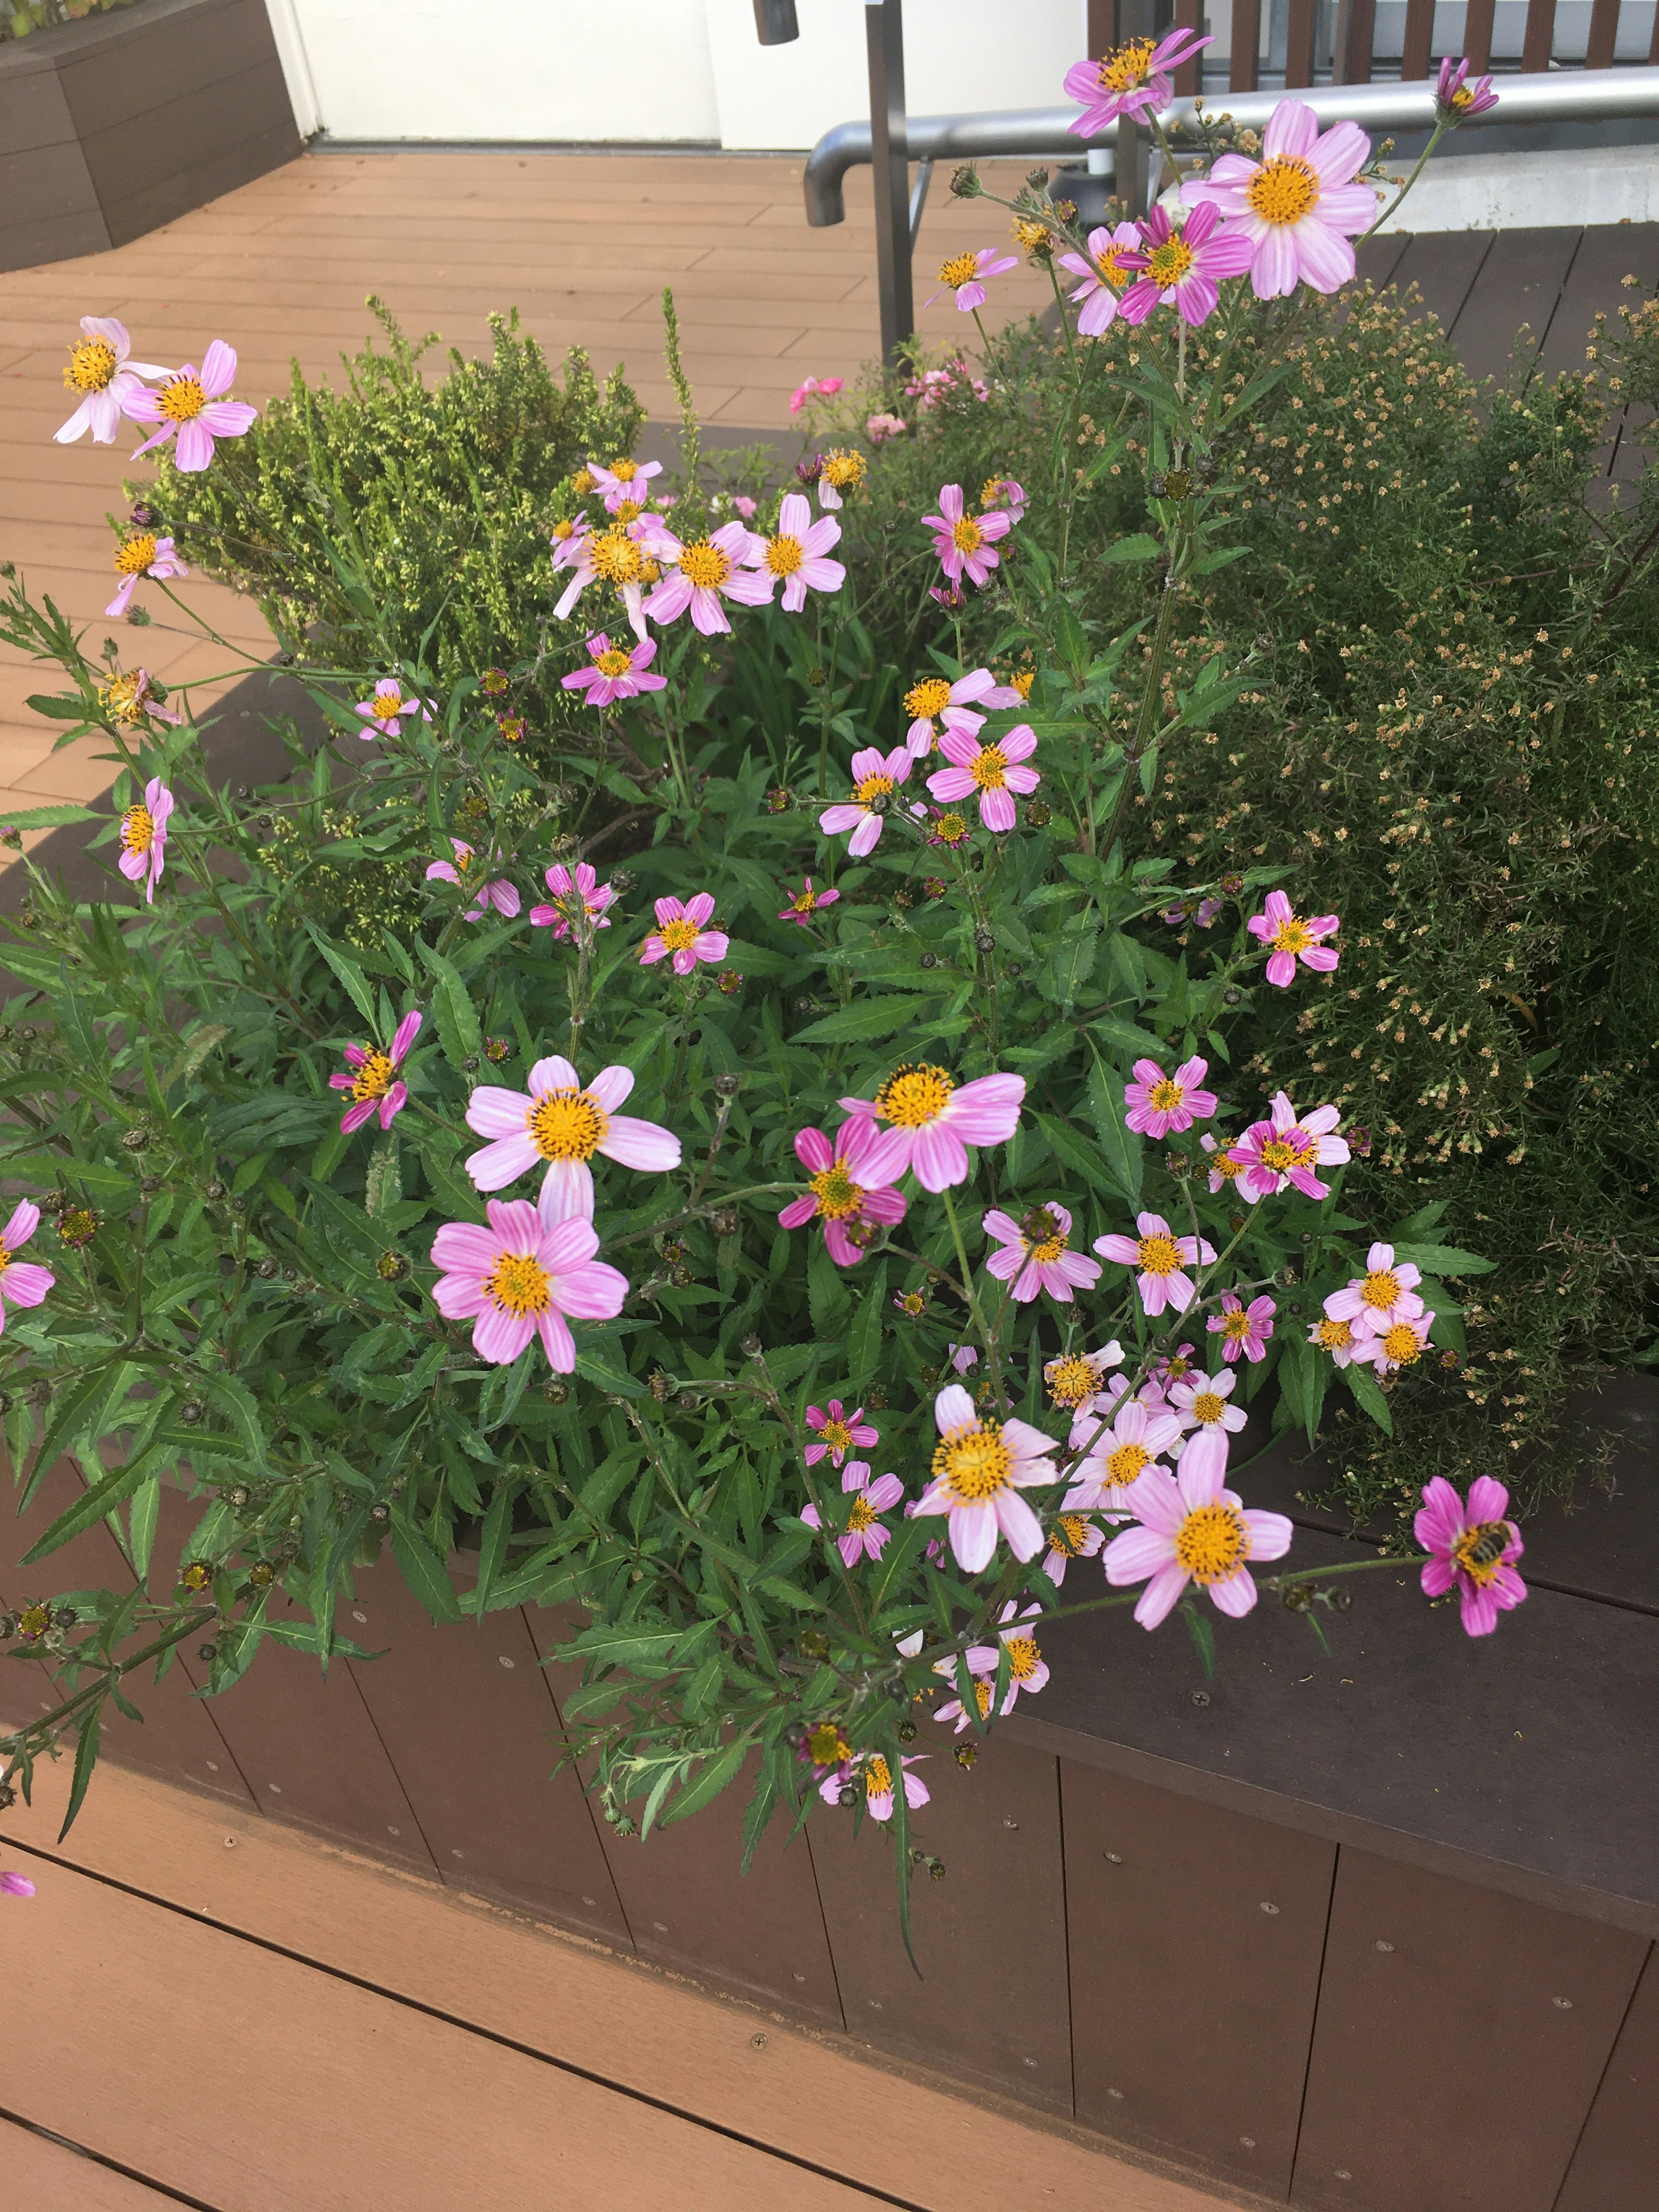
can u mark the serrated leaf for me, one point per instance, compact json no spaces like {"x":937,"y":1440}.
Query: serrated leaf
{"x":711,"y":1779}
{"x":86,"y":1758}
{"x":875,"y":1018}
{"x":452,"y":1010}
{"x":349,"y":973}
{"x":1120,"y":1145}
{"x":424,"y":1572}
{"x":1139,"y":547}
{"x":1443,"y":1260}
{"x":863,"y":1338}
{"x":1363,"y":1383}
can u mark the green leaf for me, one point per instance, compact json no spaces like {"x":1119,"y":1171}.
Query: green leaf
{"x":58,"y":710}
{"x":497,"y":1527}
{"x":863,"y":1338}
{"x":875,"y":1018}
{"x":711,"y":1779}
{"x":425,"y":1572}
{"x":142,"y":1523}
{"x":1120,"y":1145}
{"x":1203,"y":1637}
{"x":594,"y":1367}
{"x":86,"y":1758}
{"x":619,"y":1646}
{"x":349,"y":973}
{"x":1139,"y":547}
{"x":52,"y":817}
{"x":1363,"y":1383}
{"x":453,"y":1010}
{"x":197,"y":1046}
{"x":90,"y":1508}
{"x":1443,"y":1260}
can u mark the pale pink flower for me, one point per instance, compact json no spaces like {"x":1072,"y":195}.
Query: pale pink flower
{"x":559,"y":1121}
{"x":966,"y":543}
{"x":836,"y":1432}
{"x":863,"y":1537}
{"x":624,"y":483}
{"x":806,"y":902}
{"x":387,"y":710}
{"x":1028,"y":1671}
{"x":1004,"y":492}
{"x":21,"y":1281}
{"x":1117,"y":1455}
{"x":937,"y":1118}
{"x":1070,"y":1536}
{"x":995,"y":770}
{"x":742,"y":506}
{"x":870,"y":1773}
{"x":980,"y":1468}
{"x":1385,"y":1293}
{"x":931,"y":699}
{"x":1289,"y":940}
{"x":680,"y":935}
{"x":1224,"y":1170}
{"x":1035,"y":1256}
{"x":881,"y":429}
{"x":1474,"y":1547}
{"x":1243,"y":1329}
{"x":1286,"y":1149}
{"x":566,"y":539}
{"x":1078,"y":1380}
{"x":618,"y":556}
{"x":1105,"y":277}
{"x":194,"y":409}
{"x":499,"y":892}
{"x":709,"y":570}
{"x":141,"y":555}
{"x":575,"y":896}
{"x":1402,"y":1344}
{"x":526,"y":1275}
{"x":1134,"y":79}
{"x":796,"y":555}
{"x":375,"y":1081}
{"x":1193,"y":1529}
{"x":1199,"y":1402}
{"x":104,"y":379}
{"x":1182,"y":268}
{"x":19,"y":1885}
{"x":1161,"y":1105}
{"x":1162,"y":1258}
{"x":815,"y":387}
{"x":964,"y":274}
{"x":1299,"y":206}
{"x":616,"y":671}
{"x":851,"y":1178}
{"x":144,"y":838}
{"x":876,"y":777}
{"x":1340,"y":1339}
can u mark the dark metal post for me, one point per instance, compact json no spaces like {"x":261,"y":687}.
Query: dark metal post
{"x":774,"y":22}
{"x":883,"y":24}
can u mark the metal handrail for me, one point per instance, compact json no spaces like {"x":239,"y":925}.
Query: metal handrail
{"x":1604,"y":95}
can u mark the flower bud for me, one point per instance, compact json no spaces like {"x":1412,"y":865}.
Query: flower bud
{"x":984,"y":941}
{"x":681,"y":1279}
{"x":934,"y":887}
{"x":809,"y":468}
{"x":190,"y":1414}
{"x":1232,"y":996}
{"x":751,"y":1348}
{"x":965,"y":184}
{"x":622,"y":880}
{"x":727,"y":1085}
{"x":928,"y":960}
{"x":144,"y":516}
{"x":726,"y":1222}
{"x":215,"y":1190}
{"x":556,"y":1393}
{"x":136,"y":1140}
{"x":1037,"y":816}
{"x":381,"y":1514}
{"x":206,"y":1653}
{"x":730,"y":982}
{"x":965,"y":1755}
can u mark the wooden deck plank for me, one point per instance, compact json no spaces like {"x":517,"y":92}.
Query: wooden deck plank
{"x":1515,"y":291}
{"x":34,"y":2170}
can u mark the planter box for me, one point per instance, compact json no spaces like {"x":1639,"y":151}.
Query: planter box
{"x":113,"y":125}
{"x":1372,"y":1929}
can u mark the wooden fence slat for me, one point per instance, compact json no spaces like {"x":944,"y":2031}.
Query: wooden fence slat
{"x":1189,"y":17}
{"x":1603,"y":31}
{"x":1246,"y":38}
{"x":1102,"y":21}
{"x":1419,"y":38}
{"x":1477,"y":34}
{"x":1356,"y":28}
{"x":1539,"y":38}
{"x":1299,"y":44}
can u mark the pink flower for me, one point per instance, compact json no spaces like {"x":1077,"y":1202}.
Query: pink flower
{"x":617,"y":556}
{"x":20,"y":1280}
{"x":144,"y":838}
{"x":624,"y":483}
{"x":1134,"y":79}
{"x":1224,"y":1169}
{"x":950,"y":596}
{"x":142,"y":555}
{"x":566,"y":540}
{"x":1243,"y":1329}
{"x":1105,"y":274}
{"x":876,"y":777}
{"x":1474,"y":1547}
{"x":578,"y":899}
{"x":1456,"y":99}
{"x":824,"y":387}
{"x":386,"y":711}
{"x":1003,"y":491}
{"x":1339,"y":1339}
{"x":1159,"y":1103}
{"x":964,"y":274}
{"x":742,"y":505}
{"x":1193,"y":1529}
{"x":1070,"y":1537}
{"x":937,"y":1119}
{"x":1184,"y":266}
{"x":1203,"y":911}
{"x":560,"y":1122}
{"x":1286,"y":1149}
{"x":1289,"y":940}
{"x":1200,"y":1402}
{"x":616,"y":671}
{"x":1077,"y":1380}
{"x":194,"y":408}
{"x":1028,"y":1671}
{"x":104,"y":380}
{"x":864,"y":1537}
{"x":851,"y":1180}
{"x":966,"y":543}
{"x":680,"y":934}
{"x":796,"y":554}
{"x":706,"y":572}
{"x":806,"y":902}
{"x":1402,"y":1344}
{"x":871,"y":1773}
{"x":1299,"y":206}
{"x":525,"y":1275}
{"x":1161,"y":1257}
{"x":1172,"y":1368}
{"x":837,"y":1432}
{"x":980,"y":1468}
{"x":499,"y":893}
{"x":881,"y":429}
{"x":993,"y":770}
{"x":932,"y":698}
{"x":1119,"y":1456}
{"x":1033,"y":1254}
{"x":374,"y":1081}
{"x":1385,"y":1293}
{"x":19,"y":1885}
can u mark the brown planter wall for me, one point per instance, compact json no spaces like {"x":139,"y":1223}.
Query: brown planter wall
{"x":113,"y":125}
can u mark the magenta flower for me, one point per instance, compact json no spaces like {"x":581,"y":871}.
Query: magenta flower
{"x":873,"y":1774}
{"x":499,"y":893}
{"x":1474,"y":1547}
{"x":616,"y":671}
{"x":1162,"y":1258}
{"x":931,"y":699}
{"x":144,"y":838}
{"x":864,"y":1537}
{"x":1224,"y":1169}
{"x":1402,"y":1344}
{"x":1115,"y":1456}
{"x":388,"y":710}
{"x":1193,"y":1529}
{"x":1289,"y":940}
{"x":1035,"y":1256}
{"x":966,"y":543}
{"x":142,"y":555}
{"x":1457,"y":99}
{"x":881,"y":429}
{"x":1183,"y":267}
{"x":1159,"y":1105}
{"x":578,"y":900}
{"x":560,"y":1122}
{"x":624,"y":483}
{"x":1070,"y":1536}
{"x":995,"y":771}
{"x":680,"y":935}
{"x":806,"y":902}
{"x":1200,"y":1402}
{"x":1286,"y":1149}
{"x":937,"y":1119}
{"x":851,"y":1182}
{"x":19,"y":1885}
{"x":796,"y":554}
{"x":104,"y":380}
{"x":980,"y":1468}
{"x":965,"y":274}
{"x":20,"y":1280}
{"x":1203,"y":911}
{"x":1105,"y":274}
{"x":374,"y":1081}
{"x":816,"y":387}
{"x":949,"y":596}
{"x":528,"y":1274}
{"x":709,"y":570}
{"x":876,"y":777}
{"x":1299,"y":206}
{"x":194,"y":409}
{"x":837,"y":1432}
{"x":1243,"y":1329}
{"x":1385,"y":1293}
{"x":1004,"y":492}
{"x":1134,"y":79}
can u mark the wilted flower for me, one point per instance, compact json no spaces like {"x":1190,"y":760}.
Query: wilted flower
{"x":1070,"y":1536}
{"x":870,"y":1772}
{"x":965,"y":274}
{"x":839,"y":470}
{"x":806,"y":902}
{"x":881,"y":429}
{"x":134,"y":700}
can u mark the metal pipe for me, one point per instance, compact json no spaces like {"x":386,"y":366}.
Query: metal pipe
{"x":1548,"y":96}
{"x":919,"y":199}
{"x":886,"y":140}
{"x":774,"y":22}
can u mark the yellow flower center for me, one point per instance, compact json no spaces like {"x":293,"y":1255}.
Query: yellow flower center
{"x":1292,"y":936}
{"x":1111,"y":268}
{"x":1334,"y":1336}
{"x":135,"y":555}
{"x":950,"y":828}
{"x":1236,"y":1327}
{"x":973,"y":1463}
{"x":1164,"y":1098}
{"x":373,"y":1077}
{"x":704,"y":565}
{"x":929,"y":696}
{"x":1068,"y":1535}
{"x":862,"y":1516}
{"x":803,"y":902}
{"x":982,"y":1696}
{"x":678,"y":936}
{"x":1126,"y":1463}
{"x":1278,"y":1155}
{"x":78,"y":1226}
{"x":912,"y":1096}
{"x":1049,"y":1250}
{"x":914,"y":1303}
{"x":1381,"y":1289}
{"x":568,"y":1124}
{"x":92,"y":365}
{"x":878,"y":1777}
{"x":582,"y":482}
{"x":1463,"y":96}
{"x":784,"y":556}
{"x":1073,"y":1380}
{"x":1227,"y":1168}
{"x":1024,"y":681}
{"x":628,"y":510}
{"x":1175,"y":1367}
{"x":181,"y":398}
{"x":1159,"y":1256}
{"x":1024,"y":1658}
{"x":1034,"y":237}
{"x":33,"y":1621}
{"x":137,"y":830}
{"x":126,"y":697}
{"x":1126,"y":66}
{"x":1480,"y":1551}
{"x":1208,"y":1407}
{"x":826,"y":1745}
{"x":838,"y":1196}
{"x":990,"y":490}
{"x":1401,"y":1346}
{"x":562,"y":529}
{"x":989,"y":768}
{"x":1283,"y":190}
{"x":1212,"y":1542}
{"x":625,"y":472}
{"x":967,"y":536}
{"x":1168,"y":263}
{"x":841,"y":468}
{"x":617,"y":662}
{"x":872,"y":786}
{"x":518,"y":1286}
{"x":387,"y":705}
{"x":616,"y":557}
{"x":837,"y":1435}
{"x":960,"y":269}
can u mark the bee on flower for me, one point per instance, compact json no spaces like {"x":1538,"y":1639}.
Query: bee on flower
{"x":1473,"y":1548}
{"x":870,"y":1772}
